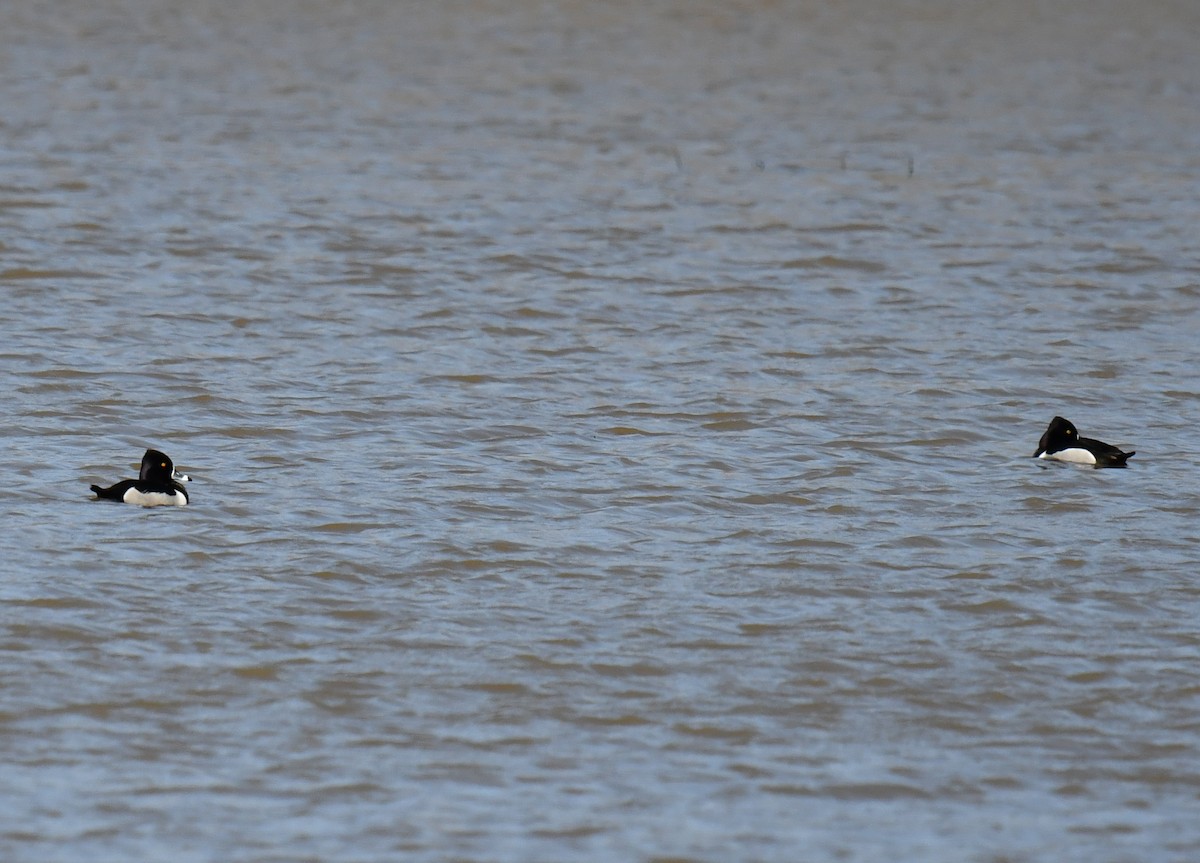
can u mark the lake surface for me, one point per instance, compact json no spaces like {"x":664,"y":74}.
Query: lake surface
{"x":610,"y":429}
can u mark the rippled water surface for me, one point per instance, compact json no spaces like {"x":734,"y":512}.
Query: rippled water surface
{"x":610,"y":430}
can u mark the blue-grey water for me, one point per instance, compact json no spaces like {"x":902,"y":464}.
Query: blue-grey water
{"x":610,"y":429}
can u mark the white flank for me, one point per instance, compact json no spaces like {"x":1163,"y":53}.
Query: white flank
{"x":1075,"y":455}
{"x":154,"y":498}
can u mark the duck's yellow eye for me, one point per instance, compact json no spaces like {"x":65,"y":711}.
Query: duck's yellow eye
{"x":164,"y":464}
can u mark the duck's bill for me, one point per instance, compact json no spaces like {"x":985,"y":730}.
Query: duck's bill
{"x":181,"y":477}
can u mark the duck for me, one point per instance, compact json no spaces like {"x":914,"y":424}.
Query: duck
{"x":1062,"y":442}
{"x":158,"y":484}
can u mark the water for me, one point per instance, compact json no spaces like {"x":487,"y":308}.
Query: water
{"x":610,"y":431}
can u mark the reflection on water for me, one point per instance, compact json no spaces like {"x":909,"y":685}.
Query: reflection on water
{"x":609,"y":427}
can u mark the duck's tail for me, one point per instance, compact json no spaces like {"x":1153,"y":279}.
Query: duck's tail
{"x":1117,"y":459}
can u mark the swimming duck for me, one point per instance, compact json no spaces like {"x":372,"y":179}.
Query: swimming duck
{"x":1062,"y":442}
{"x":158,"y":484}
